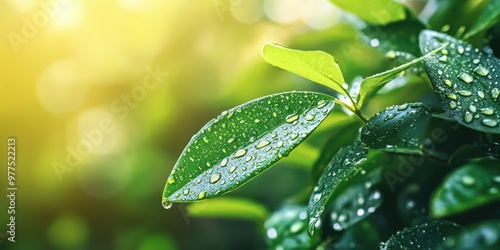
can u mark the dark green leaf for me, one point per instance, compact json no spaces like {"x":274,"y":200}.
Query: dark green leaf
{"x":466,"y":80}
{"x":397,"y":36}
{"x":362,"y":235}
{"x":470,"y":186}
{"x":356,"y":202}
{"x":372,"y":84}
{"x":423,"y":236}
{"x":287,"y":229}
{"x":374,"y":11}
{"x":346,"y":164}
{"x":316,"y":66}
{"x":413,"y":128}
{"x":233,"y":208}
{"x":243,"y":142}
{"x":489,"y":17}
{"x":484,"y":236}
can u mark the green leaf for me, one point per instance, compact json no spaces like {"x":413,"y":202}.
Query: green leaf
{"x":468,"y":187}
{"x":232,"y":208}
{"x":316,"y":66}
{"x":356,"y":202}
{"x":489,"y":17}
{"x":287,"y":229}
{"x":374,"y":11}
{"x":484,"y":235}
{"x":347,"y":163}
{"x":372,"y":84}
{"x":466,"y":81}
{"x":362,"y":235}
{"x":243,"y":142}
{"x":412,"y":128}
{"x":422,"y":236}
{"x":396,"y":36}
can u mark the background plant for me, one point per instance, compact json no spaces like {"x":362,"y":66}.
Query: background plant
{"x":420,"y":173}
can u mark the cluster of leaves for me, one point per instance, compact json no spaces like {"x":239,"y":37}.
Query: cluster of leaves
{"x":414,"y":175}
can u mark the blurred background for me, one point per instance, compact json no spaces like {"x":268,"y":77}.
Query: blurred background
{"x":102,"y":97}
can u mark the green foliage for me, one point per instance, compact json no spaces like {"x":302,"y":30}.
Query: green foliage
{"x":440,"y":144}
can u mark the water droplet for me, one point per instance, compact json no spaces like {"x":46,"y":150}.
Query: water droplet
{"x":472,"y":108}
{"x":480,"y":94}
{"x":452,"y":96}
{"x":280,"y":144}
{"x":274,"y":114}
{"x":360,"y":212}
{"x":240,"y":153}
{"x":468,"y":117}
{"x":215,"y":178}
{"x":390,"y":54}
{"x":444,"y":51}
{"x":495,"y":92}
{"x":482,"y":71}
{"x":489,"y":122}
{"x":448,"y":83}
{"x":249,"y":158}
{"x":292,"y":118}
{"x":166,"y":204}
{"x":465,"y":77}
{"x":389,"y":116}
{"x":171,"y":180}
{"x":476,"y":61}
{"x":460,"y":49}
{"x":374,"y":42}
{"x":310,"y":117}
{"x":468,"y":180}
{"x":453,"y":105}
{"x":186,"y":191}
{"x":403,"y":107}
{"x":202,"y":195}
{"x":317,"y":197}
{"x":262,"y":144}
{"x":223,"y":163}
{"x":488,"y":111}
{"x":205,"y":139}
{"x":231,"y":140}
{"x":440,"y":72}
{"x":321,"y":104}
{"x":294,"y":136}
{"x":464,"y":92}
{"x":443,"y":59}
{"x":232,"y":169}
{"x":296,"y":227}
{"x":257,"y":120}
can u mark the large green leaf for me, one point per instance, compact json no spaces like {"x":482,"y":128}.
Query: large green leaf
{"x":374,"y":11}
{"x":242,"y":142}
{"x":484,"y":235}
{"x":422,"y":236}
{"x":465,"y":79}
{"x":470,"y":186}
{"x":347,"y":163}
{"x":489,"y":17}
{"x":316,"y":66}
{"x":372,"y":84}
{"x":232,"y":208}
{"x":287,"y":229}
{"x":413,"y":128}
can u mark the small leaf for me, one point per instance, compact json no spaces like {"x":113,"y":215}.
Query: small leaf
{"x":356,"y":202}
{"x":374,"y":11}
{"x":470,"y":186}
{"x":483,"y":235}
{"x":466,"y":80}
{"x":287,"y":229}
{"x":372,"y":84}
{"x":413,"y":128}
{"x":489,"y":17}
{"x":422,"y":236}
{"x":316,"y":66}
{"x":232,"y":208}
{"x":347,"y":163}
{"x":243,"y":142}
{"x":397,"y":36}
